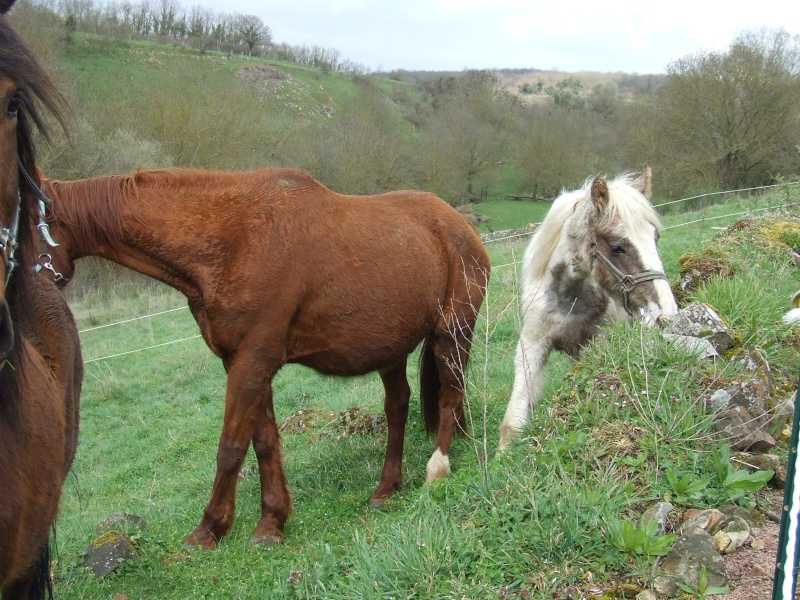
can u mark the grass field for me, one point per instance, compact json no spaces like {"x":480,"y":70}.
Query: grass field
{"x":525,"y":524}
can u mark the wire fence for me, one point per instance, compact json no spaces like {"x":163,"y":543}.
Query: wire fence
{"x":499,"y":238}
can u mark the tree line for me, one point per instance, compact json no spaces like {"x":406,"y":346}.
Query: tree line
{"x":167,"y":21}
{"x":715,"y":120}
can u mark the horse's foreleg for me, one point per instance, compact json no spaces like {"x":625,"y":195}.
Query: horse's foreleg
{"x":243,"y":402}
{"x":395,"y":405}
{"x":276,"y":501}
{"x":529,"y":363}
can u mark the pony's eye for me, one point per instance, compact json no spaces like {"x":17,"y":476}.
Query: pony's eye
{"x":13,"y":106}
{"x":617,"y":248}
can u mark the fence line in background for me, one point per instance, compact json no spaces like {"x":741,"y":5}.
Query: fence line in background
{"x":186,"y":339}
{"x":163,"y":312}
{"x":761,"y":187}
{"x":746,"y":212}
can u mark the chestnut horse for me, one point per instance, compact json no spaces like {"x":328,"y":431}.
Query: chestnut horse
{"x":593,"y":258}
{"x":40,"y":361}
{"x":279,"y":269}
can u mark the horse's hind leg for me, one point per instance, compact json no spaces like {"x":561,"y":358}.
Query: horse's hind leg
{"x":395,"y":405}
{"x":276,"y":502}
{"x":450,"y":350}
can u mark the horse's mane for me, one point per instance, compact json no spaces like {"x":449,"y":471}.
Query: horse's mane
{"x":18,"y":64}
{"x":626,"y":204}
{"x":92,"y":209}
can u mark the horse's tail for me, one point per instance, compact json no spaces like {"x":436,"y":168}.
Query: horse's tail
{"x":41,"y":584}
{"x":429,"y":385}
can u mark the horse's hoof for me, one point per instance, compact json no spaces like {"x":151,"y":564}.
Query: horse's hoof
{"x":193,"y":542}
{"x":376,"y":502}
{"x":266,"y":541}
{"x":189,"y":546}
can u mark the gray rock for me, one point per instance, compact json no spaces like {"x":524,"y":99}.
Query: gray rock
{"x":756,"y":362}
{"x":762,"y":462}
{"x":658,"y":513}
{"x":730,"y":534}
{"x":106,"y":553}
{"x":701,"y":321}
{"x":719,"y":399}
{"x":753,"y":517}
{"x":699,"y":347}
{"x":743,"y":431}
{"x":752,"y":396}
{"x":690,"y":552}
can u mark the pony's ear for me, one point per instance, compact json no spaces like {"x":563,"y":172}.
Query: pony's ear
{"x":5,"y":5}
{"x":599,"y":192}
{"x":644,"y":183}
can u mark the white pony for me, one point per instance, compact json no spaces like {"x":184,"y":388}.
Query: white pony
{"x":593,"y":258}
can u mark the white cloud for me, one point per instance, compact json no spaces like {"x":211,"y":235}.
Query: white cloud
{"x":615,"y":35}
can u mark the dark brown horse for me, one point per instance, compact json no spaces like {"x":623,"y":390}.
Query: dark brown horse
{"x":40,"y":360}
{"x":279,"y":269}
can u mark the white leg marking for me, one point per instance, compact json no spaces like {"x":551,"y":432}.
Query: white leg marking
{"x":438,"y":466}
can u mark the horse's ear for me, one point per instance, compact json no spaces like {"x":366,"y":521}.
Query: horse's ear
{"x":600,"y":192}
{"x":644,"y":183}
{"x":5,"y":6}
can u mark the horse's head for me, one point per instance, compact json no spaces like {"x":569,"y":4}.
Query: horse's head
{"x":9,"y":202}
{"x":24,"y":88}
{"x":624,"y":248}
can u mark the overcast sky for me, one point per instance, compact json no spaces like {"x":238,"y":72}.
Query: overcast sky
{"x":568,"y":35}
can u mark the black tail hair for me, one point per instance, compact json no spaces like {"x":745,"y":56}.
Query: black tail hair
{"x":430,"y":385}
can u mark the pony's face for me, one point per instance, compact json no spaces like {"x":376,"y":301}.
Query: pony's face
{"x":625,"y":251}
{"x":9,"y":200}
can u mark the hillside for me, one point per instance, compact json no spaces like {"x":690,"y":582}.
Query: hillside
{"x":140,"y":104}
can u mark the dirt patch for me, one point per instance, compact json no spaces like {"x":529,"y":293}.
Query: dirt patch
{"x":752,"y":567}
{"x":280,"y":86}
{"x":328,"y":423}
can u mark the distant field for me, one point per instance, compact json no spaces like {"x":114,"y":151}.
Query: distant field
{"x":511,"y":214}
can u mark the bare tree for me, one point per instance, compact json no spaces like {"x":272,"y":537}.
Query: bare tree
{"x":730,"y":119}
{"x":473,"y":123}
{"x":252,"y":32}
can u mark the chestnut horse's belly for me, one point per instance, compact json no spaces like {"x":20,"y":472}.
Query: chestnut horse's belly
{"x":349,"y":344}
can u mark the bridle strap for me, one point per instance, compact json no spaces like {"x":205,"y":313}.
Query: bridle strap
{"x":8,"y":241}
{"x":42,"y":227}
{"x":44,"y":202}
{"x":626,"y":282}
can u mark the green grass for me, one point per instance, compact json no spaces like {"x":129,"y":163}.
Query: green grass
{"x":511,"y":214}
{"x":535,"y":518}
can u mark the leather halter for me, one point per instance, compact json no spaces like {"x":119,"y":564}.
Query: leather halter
{"x":626,"y":282}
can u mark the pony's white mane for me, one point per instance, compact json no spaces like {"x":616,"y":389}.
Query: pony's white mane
{"x":626,"y":205}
